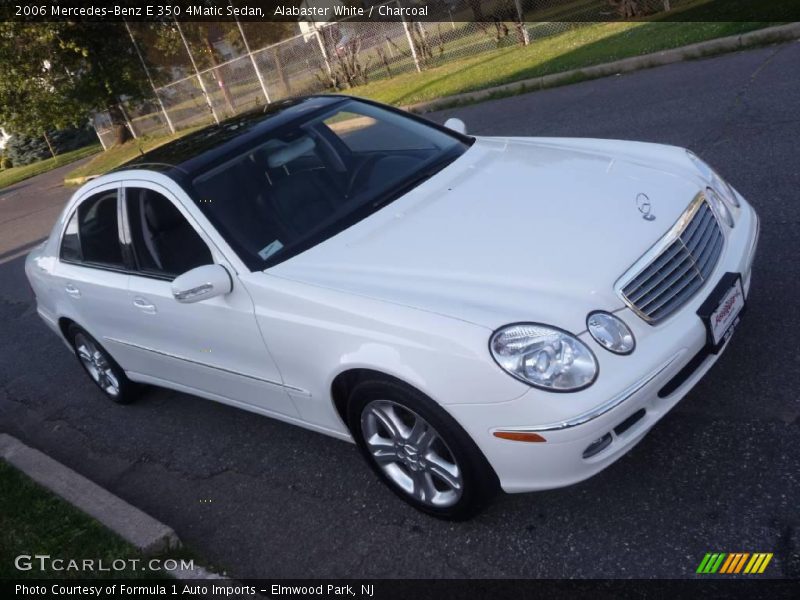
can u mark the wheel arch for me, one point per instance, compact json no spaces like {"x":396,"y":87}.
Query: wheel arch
{"x":64,"y":323}
{"x":343,"y":383}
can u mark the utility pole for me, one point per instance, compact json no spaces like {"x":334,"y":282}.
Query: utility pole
{"x":150,"y":79}
{"x":322,"y":48}
{"x":261,"y":81}
{"x":197,"y":72}
{"x":521,"y":23}
{"x":126,"y":117}
{"x":411,"y":44}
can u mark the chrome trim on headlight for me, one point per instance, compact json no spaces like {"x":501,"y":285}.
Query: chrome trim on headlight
{"x":538,"y":334}
{"x":720,"y":206}
{"x":595,"y":331}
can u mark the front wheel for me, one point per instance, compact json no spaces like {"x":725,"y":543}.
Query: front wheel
{"x":419,"y":451}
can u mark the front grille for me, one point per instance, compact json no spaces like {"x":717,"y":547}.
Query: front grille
{"x":680,"y":269}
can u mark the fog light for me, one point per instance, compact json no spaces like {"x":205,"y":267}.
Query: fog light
{"x":597,"y":446}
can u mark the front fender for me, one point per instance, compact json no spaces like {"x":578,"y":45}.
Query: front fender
{"x":314,"y":334}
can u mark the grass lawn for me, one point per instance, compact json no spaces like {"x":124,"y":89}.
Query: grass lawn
{"x":583,"y":46}
{"x":17,"y":174}
{"x":35,"y":521}
{"x":119,"y":155}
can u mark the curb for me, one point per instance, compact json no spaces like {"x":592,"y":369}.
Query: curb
{"x":768,"y":35}
{"x":134,"y":526}
{"x":80,"y":180}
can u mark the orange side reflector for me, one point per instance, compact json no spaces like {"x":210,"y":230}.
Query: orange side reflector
{"x":519,"y":436}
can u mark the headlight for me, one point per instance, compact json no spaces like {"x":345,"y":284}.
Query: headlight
{"x":544,"y":357}
{"x":719,"y":205}
{"x":610,"y":332}
{"x":724,"y":189}
{"x":718,"y":183}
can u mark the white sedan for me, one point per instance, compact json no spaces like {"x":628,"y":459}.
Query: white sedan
{"x":474,"y":313}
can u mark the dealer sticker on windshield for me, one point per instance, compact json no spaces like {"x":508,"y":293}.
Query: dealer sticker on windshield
{"x":722,"y":310}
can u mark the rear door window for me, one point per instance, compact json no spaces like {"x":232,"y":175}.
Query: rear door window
{"x":92,"y":234}
{"x":71,"y":242}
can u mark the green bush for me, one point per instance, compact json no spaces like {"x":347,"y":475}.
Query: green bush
{"x":5,"y":163}
{"x":24,"y":150}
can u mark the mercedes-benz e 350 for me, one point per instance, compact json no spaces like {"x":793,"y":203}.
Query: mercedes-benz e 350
{"x":475,"y":313}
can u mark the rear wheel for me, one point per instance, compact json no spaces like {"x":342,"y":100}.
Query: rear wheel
{"x":419,"y":451}
{"x":101,"y":368}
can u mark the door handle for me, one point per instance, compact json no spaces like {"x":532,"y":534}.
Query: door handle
{"x":72,"y":290}
{"x":144,"y":305}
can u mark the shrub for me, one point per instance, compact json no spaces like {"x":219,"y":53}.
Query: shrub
{"x":24,"y":150}
{"x":5,"y":163}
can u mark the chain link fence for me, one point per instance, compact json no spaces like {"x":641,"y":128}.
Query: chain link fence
{"x":341,"y":55}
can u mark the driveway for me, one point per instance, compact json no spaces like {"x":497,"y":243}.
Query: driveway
{"x":261,"y":498}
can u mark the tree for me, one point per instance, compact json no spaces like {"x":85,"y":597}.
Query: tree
{"x":210,"y":44}
{"x":477,"y":10}
{"x":57,"y":74}
{"x":24,"y":150}
{"x":203,"y":39}
{"x":627,"y":9}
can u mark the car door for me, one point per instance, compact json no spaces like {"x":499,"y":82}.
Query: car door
{"x":212,"y":347}
{"x":90,"y":276}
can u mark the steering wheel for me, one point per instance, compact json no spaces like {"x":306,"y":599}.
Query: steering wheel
{"x":364,"y":168}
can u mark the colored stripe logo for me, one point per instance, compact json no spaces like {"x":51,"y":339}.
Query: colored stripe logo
{"x":734,"y":563}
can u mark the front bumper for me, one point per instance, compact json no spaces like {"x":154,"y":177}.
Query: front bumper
{"x":623,"y":404}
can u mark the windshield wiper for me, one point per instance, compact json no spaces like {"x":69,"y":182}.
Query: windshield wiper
{"x":417,"y":179}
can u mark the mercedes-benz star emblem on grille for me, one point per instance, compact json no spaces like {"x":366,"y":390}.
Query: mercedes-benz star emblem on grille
{"x":644,"y":206}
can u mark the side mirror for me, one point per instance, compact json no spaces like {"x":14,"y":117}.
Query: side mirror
{"x":456,"y":125}
{"x":202,"y":283}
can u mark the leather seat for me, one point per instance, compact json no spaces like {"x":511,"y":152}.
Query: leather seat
{"x":179,"y":247}
{"x":99,"y":234}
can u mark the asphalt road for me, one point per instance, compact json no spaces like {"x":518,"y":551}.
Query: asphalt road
{"x":260,"y":498}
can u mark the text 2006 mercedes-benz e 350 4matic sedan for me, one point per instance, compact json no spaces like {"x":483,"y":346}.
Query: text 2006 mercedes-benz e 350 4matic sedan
{"x":475,"y":313}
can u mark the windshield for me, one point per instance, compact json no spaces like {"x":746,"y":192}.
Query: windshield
{"x":317,"y":176}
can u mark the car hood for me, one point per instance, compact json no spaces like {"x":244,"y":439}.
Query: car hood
{"x":516,"y":229}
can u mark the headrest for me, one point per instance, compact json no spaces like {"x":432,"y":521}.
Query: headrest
{"x":291,"y":151}
{"x":161,"y":215}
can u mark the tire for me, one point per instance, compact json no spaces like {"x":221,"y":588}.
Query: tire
{"x":101,"y":368}
{"x":419,"y":451}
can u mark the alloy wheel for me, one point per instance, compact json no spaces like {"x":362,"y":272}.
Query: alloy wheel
{"x":97,"y":364}
{"x":411,"y":453}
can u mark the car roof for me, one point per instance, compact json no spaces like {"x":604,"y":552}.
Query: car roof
{"x":191,"y":154}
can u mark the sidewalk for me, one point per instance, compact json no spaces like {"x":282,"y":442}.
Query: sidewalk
{"x":140,"y":530}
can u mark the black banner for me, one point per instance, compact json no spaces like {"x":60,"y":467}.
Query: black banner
{"x":381,"y":589}
{"x":322,"y":11}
